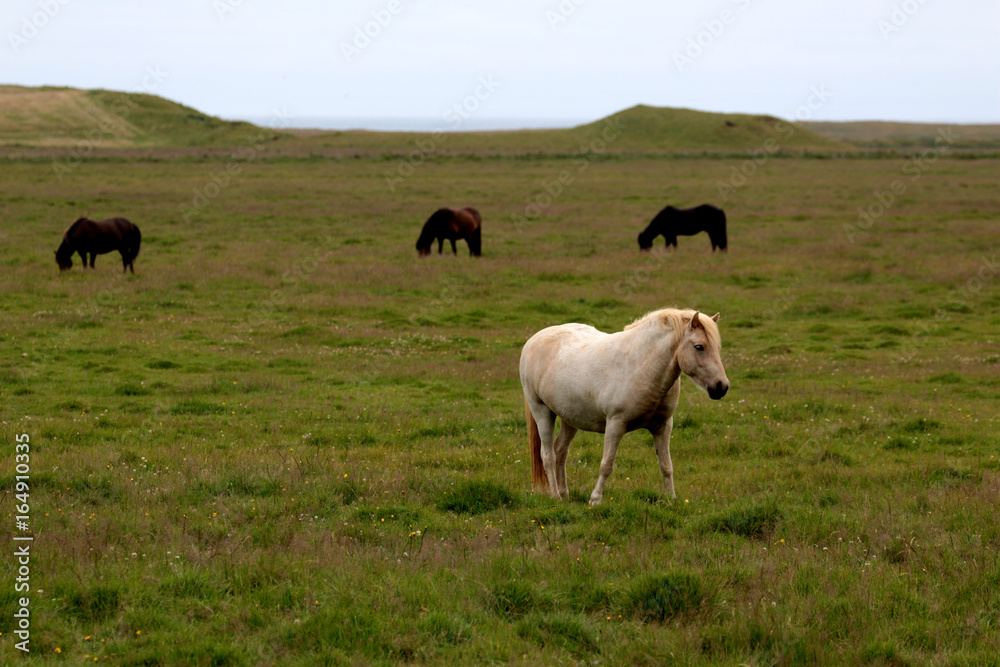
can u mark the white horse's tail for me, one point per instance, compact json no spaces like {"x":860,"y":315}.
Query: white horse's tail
{"x":539,"y":480}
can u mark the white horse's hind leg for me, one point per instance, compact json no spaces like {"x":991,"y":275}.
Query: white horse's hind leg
{"x":546,"y":422}
{"x":566,"y":433}
{"x":661,"y":441}
{"x":613,"y":434}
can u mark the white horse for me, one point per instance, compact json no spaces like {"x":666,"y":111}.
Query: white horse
{"x":613,"y":384}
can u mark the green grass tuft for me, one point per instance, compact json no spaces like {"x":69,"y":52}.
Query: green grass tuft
{"x":197,"y":408}
{"x":162,"y":364}
{"x":660,"y":598}
{"x":477,"y":497}
{"x":562,"y":631}
{"x":755,"y":522}
{"x":132,"y":389}
{"x":96,"y":603}
{"x":512,"y":598}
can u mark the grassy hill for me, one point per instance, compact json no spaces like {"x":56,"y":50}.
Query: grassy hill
{"x":660,"y":128}
{"x":56,"y":117}
{"x":49,"y":116}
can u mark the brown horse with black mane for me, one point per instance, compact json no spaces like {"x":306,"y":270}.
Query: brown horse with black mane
{"x":452,"y":224}
{"x":97,"y":237}
{"x":673,"y":222}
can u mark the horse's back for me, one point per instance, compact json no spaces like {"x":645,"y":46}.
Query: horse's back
{"x":121,"y":226}
{"x":87,"y":228}
{"x":468,"y":218}
{"x":712,"y":213}
{"x":566,"y":334}
{"x":102,"y":236}
{"x":474,"y":214}
{"x":690,"y":221}
{"x":559,"y":349}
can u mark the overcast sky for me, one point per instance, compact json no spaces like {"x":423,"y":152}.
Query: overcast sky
{"x":915,"y":60}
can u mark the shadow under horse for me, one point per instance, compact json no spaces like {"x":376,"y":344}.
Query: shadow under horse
{"x":96,"y":237}
{"x":452,"y":224}
{"x":673,"y":222}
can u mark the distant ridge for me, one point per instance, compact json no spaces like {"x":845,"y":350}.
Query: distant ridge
{"x":637,"y":129}
{"x":67,"y":117}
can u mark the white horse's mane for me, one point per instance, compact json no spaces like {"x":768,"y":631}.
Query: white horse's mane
{"x":676,"y":319}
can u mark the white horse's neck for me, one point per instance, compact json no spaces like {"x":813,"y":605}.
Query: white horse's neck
{"x":660,"y":344}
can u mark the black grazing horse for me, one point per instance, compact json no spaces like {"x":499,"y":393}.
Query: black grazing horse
{"x":673,"y":222}
{"x":445,"y":223}
{"x":98,"y":237}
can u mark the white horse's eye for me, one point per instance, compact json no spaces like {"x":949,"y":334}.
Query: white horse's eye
{"x":700,"y":348}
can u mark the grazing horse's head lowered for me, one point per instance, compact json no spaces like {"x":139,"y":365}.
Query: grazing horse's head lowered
{"x":672,"y":222}
{"x":64,"y":256}
{"x":447,"y":224}
{"x":96,"y":237}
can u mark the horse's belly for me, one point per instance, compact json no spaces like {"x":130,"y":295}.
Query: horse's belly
{"x":587,"y":404}
{"x":595,"y":419}
{"x":595,"y":423}
{"x":98,"y":247}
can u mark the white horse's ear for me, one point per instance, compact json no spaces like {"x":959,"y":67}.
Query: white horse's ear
{"x":715,"y":318}
{"x":695,"y":321}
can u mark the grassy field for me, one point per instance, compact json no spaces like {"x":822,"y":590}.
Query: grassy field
{"x":286,"y":440}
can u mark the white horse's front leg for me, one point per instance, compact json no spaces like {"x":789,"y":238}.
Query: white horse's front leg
{"x":613,"y":434}
{"x":661,"y":441}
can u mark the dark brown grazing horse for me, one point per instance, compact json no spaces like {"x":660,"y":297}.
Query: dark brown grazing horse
{"x":97,"y":237}
{"x":673,"y":222}
{"x":446,"y":223}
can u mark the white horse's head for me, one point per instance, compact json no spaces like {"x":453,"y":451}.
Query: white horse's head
{"x":698,"y":354}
